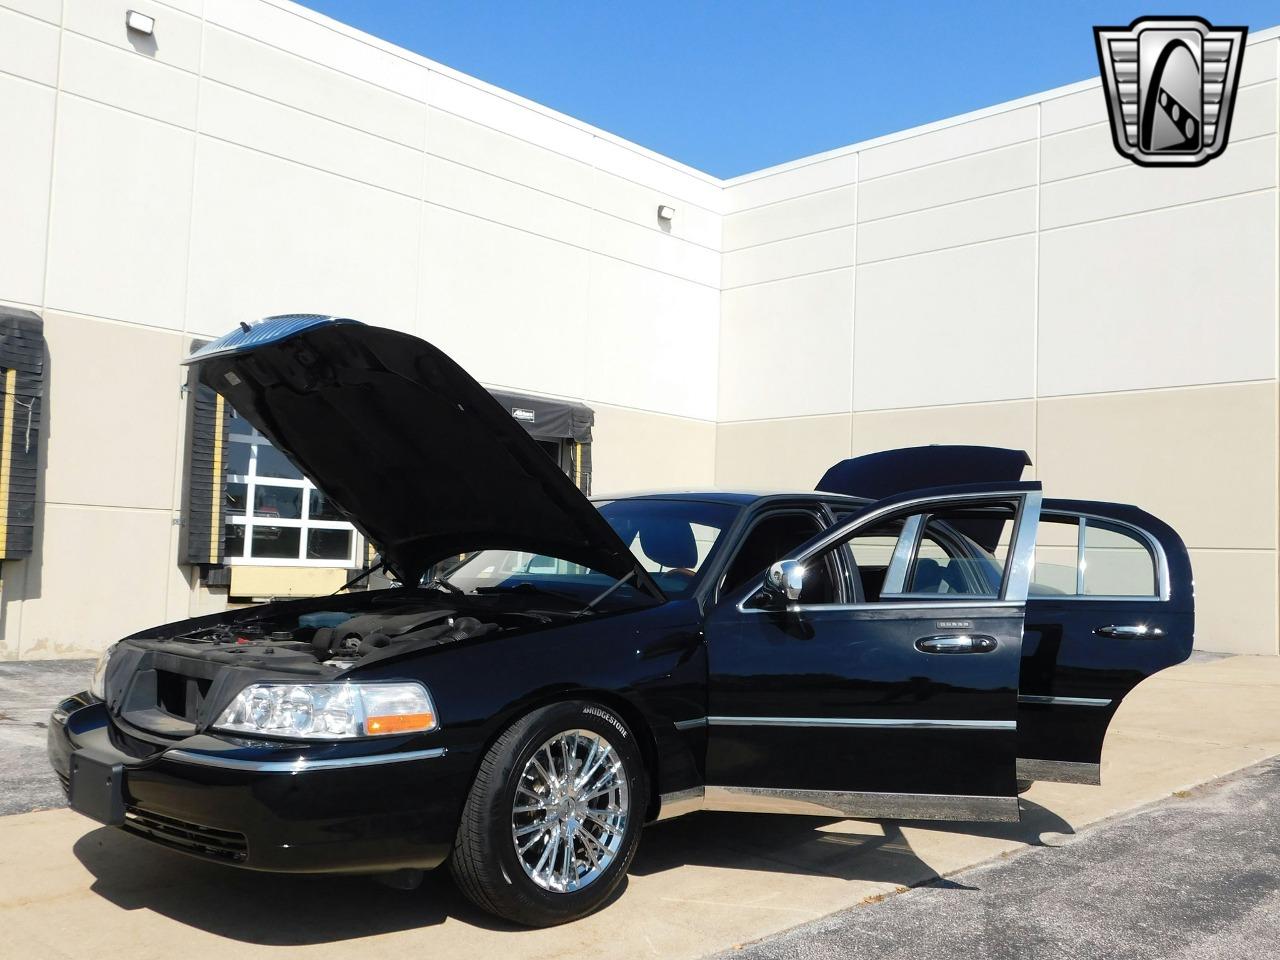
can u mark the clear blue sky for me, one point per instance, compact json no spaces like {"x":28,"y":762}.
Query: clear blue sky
{"x":731,"y":87}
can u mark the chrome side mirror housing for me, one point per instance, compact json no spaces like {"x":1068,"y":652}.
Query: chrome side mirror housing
{"x":785,"y":579}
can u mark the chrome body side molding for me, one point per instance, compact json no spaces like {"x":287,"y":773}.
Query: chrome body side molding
{"x":692,"y":724}
{"x":884,"y":724}
{"x":837,"y":803}
{"x":1064,"y":701}
{"x":1059,"y":771}
{"x":300,"y":765}
{"x":680,"y":802}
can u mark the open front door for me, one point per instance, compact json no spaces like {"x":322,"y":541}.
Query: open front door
{"x":901,"y":703}
{"x":1110,"y":603}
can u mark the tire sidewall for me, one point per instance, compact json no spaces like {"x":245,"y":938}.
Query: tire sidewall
{"x":544,"y":724}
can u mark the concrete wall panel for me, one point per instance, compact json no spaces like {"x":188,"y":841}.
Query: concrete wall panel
{"x":26,"y":115}
{"x":28,"y":47}
{"x":1153,"y":301}
{"x":120,"y":215}
{"x":790,"y":454}
{"x":954,"y":326}
{"x":632,"y":450}
{"x":119,"y":78}
{"x":995,"y":171}
{"x":286,"y":78}
{"x":270,"y":236}
{"x":785,"y":348}
{"x":1202,"y":459}
{"x":652,"y":340}
{"x":510,"y":306}
{"x":112,"y":424}
{"x":985,"y":424}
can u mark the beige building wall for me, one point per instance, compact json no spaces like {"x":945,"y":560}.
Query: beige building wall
{"x":253,"y":157}
{"x":1007,"y":278}
{"x":1002,"y":277}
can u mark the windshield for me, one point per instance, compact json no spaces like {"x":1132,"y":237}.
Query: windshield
{"x":672,"y":539}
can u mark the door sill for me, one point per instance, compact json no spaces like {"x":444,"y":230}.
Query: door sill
{"x":869,"y":806}
{"x":1060,"y":771}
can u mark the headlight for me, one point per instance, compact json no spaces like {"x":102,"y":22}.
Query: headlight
{"x":98,"y":685}
{"x":329,"y":711}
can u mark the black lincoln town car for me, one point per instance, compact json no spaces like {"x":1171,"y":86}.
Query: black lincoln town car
{"x":917,"y":638}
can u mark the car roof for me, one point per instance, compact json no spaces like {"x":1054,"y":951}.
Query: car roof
{"x":739,"y":498}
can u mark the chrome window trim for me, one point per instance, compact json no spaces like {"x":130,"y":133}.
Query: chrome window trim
{"x":1022,"y":549}
{"x":1153,"y":545}
{"x":889,"y":605}
{"x":1082,"y":526}
{"x":895,"y":577}
{"x":866,"y":805}
{"x":299,"y":765}
{"x":880,"y":723}
{"x":1113,"y":597}
{"x":1064,"y":701}
{"x":1017,"y":577}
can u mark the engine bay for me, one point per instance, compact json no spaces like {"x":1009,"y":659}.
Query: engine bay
{"x":306,"y":637}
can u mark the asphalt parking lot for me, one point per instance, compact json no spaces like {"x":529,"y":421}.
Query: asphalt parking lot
{"x":28,"y":691}
{"x":703,"y":883}
{"x":1193,"y":876}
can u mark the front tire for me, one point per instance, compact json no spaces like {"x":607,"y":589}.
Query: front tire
{"x":554,"y":816}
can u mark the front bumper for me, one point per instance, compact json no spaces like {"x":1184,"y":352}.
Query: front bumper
{"x":352,"y":807}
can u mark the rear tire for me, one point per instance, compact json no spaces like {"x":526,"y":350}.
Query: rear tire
{"x":545,"y":786}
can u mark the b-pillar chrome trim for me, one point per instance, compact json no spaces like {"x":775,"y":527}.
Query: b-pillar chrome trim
{"x":1059,"y":771}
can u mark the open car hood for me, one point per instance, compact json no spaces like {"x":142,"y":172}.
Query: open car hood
{"x":416,"y":453}
{"x":890,"y":472}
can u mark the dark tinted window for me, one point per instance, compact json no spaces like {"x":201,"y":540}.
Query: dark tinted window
{"x":772,"y":539}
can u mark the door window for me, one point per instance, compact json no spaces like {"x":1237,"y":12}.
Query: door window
{"x":1088,"y":557}
{"x":949,"y":553}
{"x":771,"y":539}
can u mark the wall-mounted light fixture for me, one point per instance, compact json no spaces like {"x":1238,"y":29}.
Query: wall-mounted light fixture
{"x":666,"y":213}
{"x":140,"y":23}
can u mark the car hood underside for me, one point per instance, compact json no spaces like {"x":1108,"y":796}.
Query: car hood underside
{"x":418,"y":455}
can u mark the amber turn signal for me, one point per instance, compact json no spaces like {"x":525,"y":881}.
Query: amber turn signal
{"x":400,"y":723}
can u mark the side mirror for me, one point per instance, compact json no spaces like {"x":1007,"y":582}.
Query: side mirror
{"x":785,"y":579}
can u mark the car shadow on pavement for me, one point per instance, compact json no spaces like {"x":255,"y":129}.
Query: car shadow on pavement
{"x":265,"y":908}
{"x":877,"y":851}
{"x":295,"y":910}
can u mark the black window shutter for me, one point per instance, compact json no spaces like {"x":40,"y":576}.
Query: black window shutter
{"x":207,"y":432}
{"x":21,"y":393}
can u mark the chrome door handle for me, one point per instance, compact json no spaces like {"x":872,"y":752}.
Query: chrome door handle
{"x":1135,"y":631}
{"x":957,"y":643}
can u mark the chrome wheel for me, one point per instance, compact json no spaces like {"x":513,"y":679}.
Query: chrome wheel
{"x":570,"y":811}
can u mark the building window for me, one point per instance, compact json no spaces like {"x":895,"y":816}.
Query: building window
{"x":275,"y":515}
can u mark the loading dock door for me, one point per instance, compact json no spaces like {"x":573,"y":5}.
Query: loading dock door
{"x":561,"y":427}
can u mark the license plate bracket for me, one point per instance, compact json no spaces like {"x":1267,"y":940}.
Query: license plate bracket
{"x":97,"y":788}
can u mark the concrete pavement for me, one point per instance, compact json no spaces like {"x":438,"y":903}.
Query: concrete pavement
{"x":1196,"y":875}
{"x":701,"y":884}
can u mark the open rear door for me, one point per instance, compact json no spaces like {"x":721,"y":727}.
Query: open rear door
{"x":1110,"y":603}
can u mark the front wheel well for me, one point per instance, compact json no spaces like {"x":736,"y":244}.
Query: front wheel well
{"x":629,"y":712}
